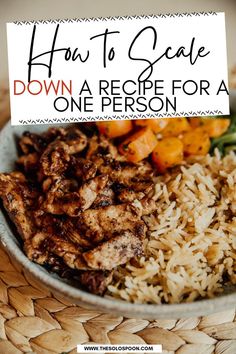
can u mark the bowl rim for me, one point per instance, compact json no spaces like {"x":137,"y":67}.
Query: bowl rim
{"x":108,"y":305}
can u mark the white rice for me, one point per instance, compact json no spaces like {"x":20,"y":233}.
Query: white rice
{"x":190,"y":251}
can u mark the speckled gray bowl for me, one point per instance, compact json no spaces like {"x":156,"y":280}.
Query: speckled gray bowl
{"x":10,"y":241}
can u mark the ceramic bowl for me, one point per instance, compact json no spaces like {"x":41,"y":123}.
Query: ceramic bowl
{"x":10,"y":241}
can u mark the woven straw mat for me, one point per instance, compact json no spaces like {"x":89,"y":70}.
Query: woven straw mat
{"x":33,"y":320}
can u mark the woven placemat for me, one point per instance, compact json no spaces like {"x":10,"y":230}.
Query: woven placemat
{"x":33,"y":320}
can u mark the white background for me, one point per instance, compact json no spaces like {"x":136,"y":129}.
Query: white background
{"x":11,"y":10}
{"x":172,"y":31}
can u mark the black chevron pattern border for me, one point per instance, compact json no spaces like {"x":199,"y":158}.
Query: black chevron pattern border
{"x":120,"y":117}
{"x":114,"y":18}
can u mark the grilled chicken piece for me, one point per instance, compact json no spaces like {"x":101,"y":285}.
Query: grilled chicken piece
{"x":140,"y":185}
{"x":101,"y":150}
{"x":18,"y":200}
{"x":96,"y":282}
{"x":34,"y":250}
{"x":54,"y":133}
{"x":47,"y":223}
{"x":31,"y":142}
{"x":145,"y":206}
{"x":127,"y":195}
{"x":134,"y":190}
{"x":60,"y":246}
{"x":55,"y":158}
{"x":71,"y":135}
{"x":69,"y":229}
{"x":58,"y":186}
{"x":102,"y":223}
{"x":115,"y":251}
{"x":135,"y":178}
{"x":63,"y":198}
{"x":56,"y":189}
{"x":126,"y":172}
{"x":82,"y":168}
{"x":18,"y":176}
{"x":42,"y":246}
{"x":89,"y":191}
{"x":75,"y":140}
{"x":105,"y":198}
{"x":29,"y":163}
{"x":63,"y":226}
{"x":63,"y":248}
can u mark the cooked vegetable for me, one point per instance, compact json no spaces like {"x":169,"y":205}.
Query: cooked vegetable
{"x":115,"y":128}
{"x":156,"y":125}
{"x":139,"y":145}
{"x":180,"y":136}
{"x":196,"y":142}
{"x":214,"y":127}
{"x":176,"y":126}
{"x":168,"y":153}
{"x":227,"y":141}
{"x":196,"y":122}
